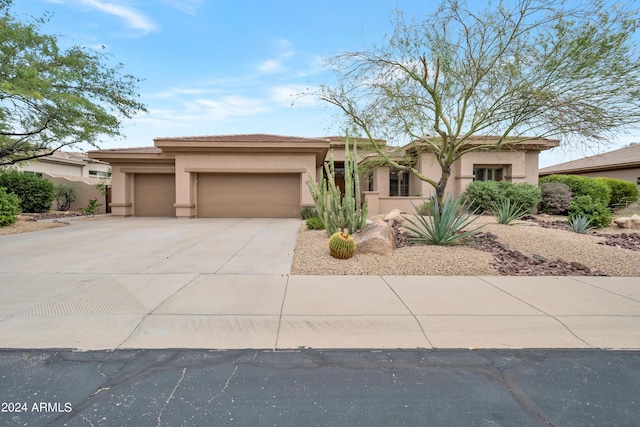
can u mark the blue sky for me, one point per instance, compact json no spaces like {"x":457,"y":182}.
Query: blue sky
{"x":214,"y":67}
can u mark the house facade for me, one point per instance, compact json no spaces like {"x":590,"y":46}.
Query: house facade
{"x":261,"y":175}
{"x":77,"y":170}
{"x":620,"y":164}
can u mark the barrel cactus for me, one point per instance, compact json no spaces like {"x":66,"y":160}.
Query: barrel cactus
{"x":341,"y":245}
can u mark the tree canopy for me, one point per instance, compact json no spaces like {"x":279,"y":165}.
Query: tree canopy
{"x":51,"y":97}
{"x":518,"y":70}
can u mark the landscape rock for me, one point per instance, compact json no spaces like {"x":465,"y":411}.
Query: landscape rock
{"x":395,"y":215}
{"x":632,"y":222}
{"x":377,"y":238}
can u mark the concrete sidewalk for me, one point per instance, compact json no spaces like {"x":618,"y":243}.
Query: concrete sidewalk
{"x":278,"y":311}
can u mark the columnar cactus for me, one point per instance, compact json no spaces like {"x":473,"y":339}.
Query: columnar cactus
{"x":336,"y":211}
{"x":341,"y":245}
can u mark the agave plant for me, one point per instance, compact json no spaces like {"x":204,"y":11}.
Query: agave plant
{"x":505,"y":212}
{"x":580,"y":224}
{"x":445,"y":225}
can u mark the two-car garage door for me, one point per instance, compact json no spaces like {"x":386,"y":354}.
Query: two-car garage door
{"x":248,"y":195}
{"x":222,"y":195}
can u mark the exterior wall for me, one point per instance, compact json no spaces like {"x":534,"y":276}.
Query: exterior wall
{"x":59,"y":169}
{"x":85,"y":191}
{"x":92,"y":165}
{"x":531,"y":167}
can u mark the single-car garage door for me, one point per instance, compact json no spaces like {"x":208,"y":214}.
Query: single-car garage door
{"x":255,"y":195}
{"x":155,"y":194}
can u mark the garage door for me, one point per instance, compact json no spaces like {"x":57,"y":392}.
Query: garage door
{"x":248,"y":195}
{"x":155,"y":194}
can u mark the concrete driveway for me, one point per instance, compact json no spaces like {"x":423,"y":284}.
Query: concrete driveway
{"x":163,"y":245}
{"x":225,"y":284}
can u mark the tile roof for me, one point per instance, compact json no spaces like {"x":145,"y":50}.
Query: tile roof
{"x":617,"y":159}
{"x":255,"y":137}
{"x":133,"y":150}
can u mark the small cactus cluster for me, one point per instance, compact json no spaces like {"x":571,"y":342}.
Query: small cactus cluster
{"x":341,"y":245}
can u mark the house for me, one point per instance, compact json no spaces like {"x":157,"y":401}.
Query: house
{"x":75,"y":169}
{"x":260,"y":175}
{"x":66,"y":163}
{"x":621,"y":164}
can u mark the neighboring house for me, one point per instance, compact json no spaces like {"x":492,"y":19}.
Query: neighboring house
{"x":75,"y":169}
{"x":65,"y":163}
{"x":621,"y":164}
{"x":261,"y":175}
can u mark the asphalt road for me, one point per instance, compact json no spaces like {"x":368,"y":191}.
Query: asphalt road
{"x":320,"y":388}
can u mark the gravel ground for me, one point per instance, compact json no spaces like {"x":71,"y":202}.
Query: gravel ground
{"x":35,"y":222}
{"x":311,"y":256}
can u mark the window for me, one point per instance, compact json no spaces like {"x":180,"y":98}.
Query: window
{"x":398,"y":183}
{"x":98,"y":174}
{"x":34,"y":173}
{"x":487,"y":174}
{"x":638,"y":180}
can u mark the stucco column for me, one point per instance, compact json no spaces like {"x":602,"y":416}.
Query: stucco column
{"x":381,"y":181}
{"x":121,"y":191}
{"x":185,"y":191}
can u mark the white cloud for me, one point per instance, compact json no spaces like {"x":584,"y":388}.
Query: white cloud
{"x":132,"y":17}
{"x":290,"y":96}
{"x":271,"y":66}
{"x":230,"y":106}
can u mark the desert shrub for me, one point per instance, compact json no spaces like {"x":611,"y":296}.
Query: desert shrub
{"x":35,"y":193}
{"x":446,"y":224}
{"x":92,"y":209}
{"x":556,"y":198}
{"x":622,"y":192}
{"x":9,"y":207}
{"x":482,"y":194}
{"x":583,"y":186}
{"x":527,"y":196}
{"x":580,"y":224}
{"x":65,"y":195}
{"x":506,"y":211}
{"x":307,"y":212}
{"x":596,"y":212}
{"x":315,"y":223}
{"x":424,"y":208}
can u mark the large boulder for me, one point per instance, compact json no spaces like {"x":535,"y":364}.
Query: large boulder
{"x":377,"y":238}
{"x":632,"y":222}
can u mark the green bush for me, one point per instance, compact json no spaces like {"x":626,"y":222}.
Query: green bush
{"x":526,"y":195}
{"x":65,"y":195}
{"x":583,"y":186}
{"x":307,"y":212}
{"x":315,"y":223}
{"x":35,"y":193}
{"x":9,"y":207}
{"x":482,"y":194}
{"x":622,"y":192}
{"x":596,"y":212}
{"x":556,"y":198}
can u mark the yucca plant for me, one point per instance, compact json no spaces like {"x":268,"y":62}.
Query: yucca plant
{"x":580,"y":224}
{"x":505,"y":211}
{"x":445,"y":225}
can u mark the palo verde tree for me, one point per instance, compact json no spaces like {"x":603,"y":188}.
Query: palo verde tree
{"x":519,"y":70}
{"x":52,"y":98}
